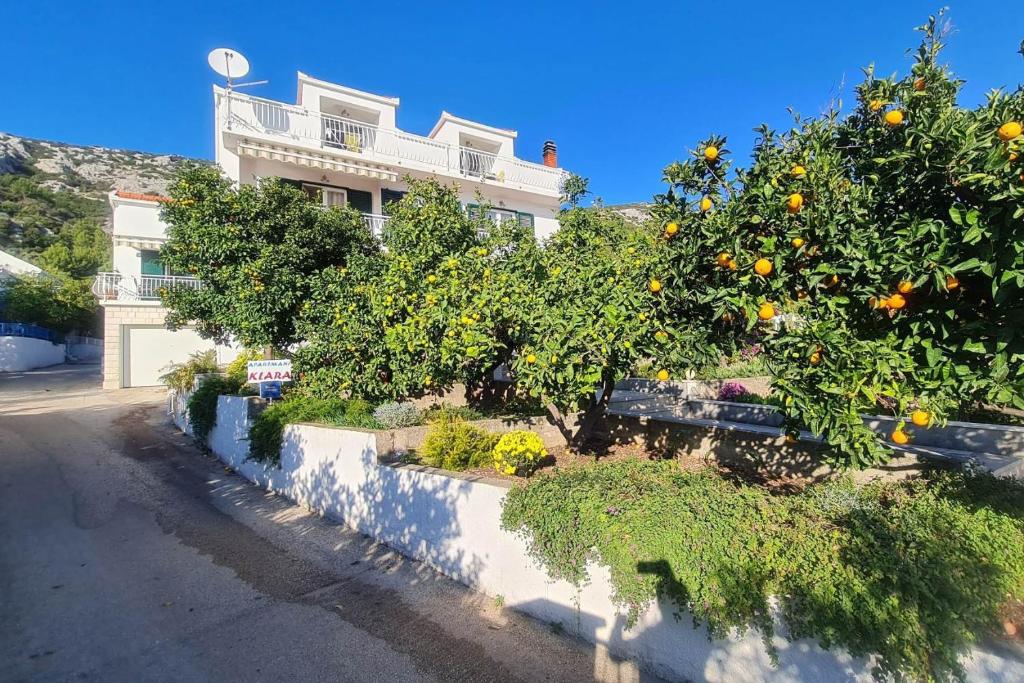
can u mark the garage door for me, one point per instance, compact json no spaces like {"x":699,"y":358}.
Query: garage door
{"x":148,"y":350}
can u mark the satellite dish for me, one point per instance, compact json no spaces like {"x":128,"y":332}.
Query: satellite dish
{"x":228,"y":63}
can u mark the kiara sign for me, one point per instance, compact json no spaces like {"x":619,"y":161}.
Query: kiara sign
{"x":269,"y":371}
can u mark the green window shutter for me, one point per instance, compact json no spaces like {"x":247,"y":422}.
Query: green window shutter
{"x":472,"y":210}
{"x":360,"y":200}
{"x":525,"y":219}
{"x":151,"y":263}
{"x":387,"y":196}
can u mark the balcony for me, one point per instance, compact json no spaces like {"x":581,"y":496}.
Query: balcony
{"x":121,"y":287}
{"x":375,"y":222}
{"x":280,"y":123}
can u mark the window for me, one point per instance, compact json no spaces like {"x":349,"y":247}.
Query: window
{"x":387,"y":196}
{"x":499,"y":215}
{"x":328,"y":196}
{"x":151,"y":264}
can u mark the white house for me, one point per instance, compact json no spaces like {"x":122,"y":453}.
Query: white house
{"x":137,"y":348}
{"x":342,"y":147}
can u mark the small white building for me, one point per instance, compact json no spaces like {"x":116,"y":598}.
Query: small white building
{"x":342,"y":147}
{"x":137,"y":348}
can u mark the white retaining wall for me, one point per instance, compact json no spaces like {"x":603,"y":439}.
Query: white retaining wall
{"x":18,"y":354}
{"x":85,"y":353}
{"x":453,"y":524}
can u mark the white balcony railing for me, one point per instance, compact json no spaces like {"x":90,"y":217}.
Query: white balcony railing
{"x":375,"y":222}
{"x":245,"y":114}
{"x":476,"y":163}
{"x":122,"y":287}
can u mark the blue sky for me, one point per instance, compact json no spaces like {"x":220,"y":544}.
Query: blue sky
{"x":623,"y":88}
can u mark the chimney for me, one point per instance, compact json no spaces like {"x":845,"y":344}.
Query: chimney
{"x":550,"y":154}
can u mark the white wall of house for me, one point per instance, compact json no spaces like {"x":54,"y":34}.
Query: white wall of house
{"x":544,"y":211}
{"x":18,"y":354}
{"x":458,"y":131}
{"x":137,"y":218}
{"x":330,"y":98}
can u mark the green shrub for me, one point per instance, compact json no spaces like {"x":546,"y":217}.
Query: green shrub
{"x":202,"y":404}
{"x":268,"y":428}
{"x":519,"y":452}
{"x":446,"y":411}
{"x":912,"y":572}
{"x":238,"y":368}
{"x":182,"y":376}
{"x":357,"y":413}
{"x":453,"y":444}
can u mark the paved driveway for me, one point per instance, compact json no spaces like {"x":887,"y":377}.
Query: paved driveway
{"x":128,"y":555}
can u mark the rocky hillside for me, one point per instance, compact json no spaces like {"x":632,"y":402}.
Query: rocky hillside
{"x":47,"y":185}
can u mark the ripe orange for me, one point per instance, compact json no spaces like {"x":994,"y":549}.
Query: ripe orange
{"x":732,"y":264}
{"x":671,"y":229}
{"x":921,"y":418}
{"x":801,"y":294}
{"x":763,"y":267}
{"x":662,"y":375}
{"x":873,"y":302}
{"x":705,"y":204}
{"x":654,"y":286}
{"x":831,"y":281}
{"x":951,"y":282}
{"x":797,"y":171}
{"x":894,"y":117}
{"x":797,"y":242}
{"x":905,"y":287}
{"x":531,"y":358}
{"x":723,"y":259}
{"x":766,"y":311}
{"x":727,"y":317}
{"x":1009,"y":130}
{"x":899,"y":436}
{"x":875,"y":105}
{"x":791,"y":439}
{"x":919,"y":84}
{"x":710,"y":152}
{"x":815,"y":358}
{"x":794,"y":202}
{"x":896,"y":301}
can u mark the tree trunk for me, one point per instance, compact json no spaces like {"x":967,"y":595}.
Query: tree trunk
{"x":588,"y":420}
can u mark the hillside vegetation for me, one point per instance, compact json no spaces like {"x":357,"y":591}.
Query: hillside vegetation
{"x":47,"y":187}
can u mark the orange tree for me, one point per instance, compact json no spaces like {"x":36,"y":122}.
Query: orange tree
{"x":597,"y":310}
{"x":435,"y":307}
{"x":880,"y":257}
{"x":452,"y":297}
{"x":256,"y":249}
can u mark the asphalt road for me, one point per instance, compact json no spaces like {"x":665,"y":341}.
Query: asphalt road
{"x":126,"y":554}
